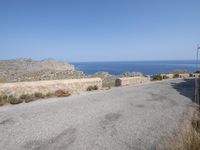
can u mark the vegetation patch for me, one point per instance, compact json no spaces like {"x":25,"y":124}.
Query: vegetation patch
{"x":157,"y":77}
{"x":39,"y":95}
{"x":27,"y":98}
{"x":4,"y":99}
{"x":92,"y":88}
{"x":2,"y":79}
{"x":165,"y":77}
{"x":191,"y":75}
{"x":176,"y":75}
{"x":62,"y":93}
{"x":186,"y":138}
{"x":14,"y":100}
{"x":48,"y":95}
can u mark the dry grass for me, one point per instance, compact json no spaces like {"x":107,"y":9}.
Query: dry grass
{"x":3,"y":79}
{"x":27,"y":98}
{"x":49,"y":95}
{"x":4,"y":99}
{"x":14,"y":100}
{"x":187,"y":136}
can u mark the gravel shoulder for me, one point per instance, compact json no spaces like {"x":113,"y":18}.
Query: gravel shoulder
{"x":132,"y":117}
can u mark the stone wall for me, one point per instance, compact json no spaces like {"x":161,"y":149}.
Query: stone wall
{"x":168,"y":75}
{"x":184,"y":75}
{"x":196,"y":74}
{"x":131,"y":81}
{"x":71,"y":85}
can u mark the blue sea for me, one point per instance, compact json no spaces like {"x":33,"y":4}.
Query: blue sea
{"x":145,"y":67}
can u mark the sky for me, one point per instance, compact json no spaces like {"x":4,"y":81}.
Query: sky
{"x":99,"y":30}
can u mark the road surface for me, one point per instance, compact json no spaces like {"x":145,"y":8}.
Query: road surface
{"x":125,"y":118}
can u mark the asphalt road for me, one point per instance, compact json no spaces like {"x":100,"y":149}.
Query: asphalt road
{"x":127,"y":118}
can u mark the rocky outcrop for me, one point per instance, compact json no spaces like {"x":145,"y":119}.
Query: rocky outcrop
{"x":18,"y":70}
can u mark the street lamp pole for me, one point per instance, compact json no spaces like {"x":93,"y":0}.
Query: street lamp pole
{"x":197,"y":63}
{"x":196,"y":78}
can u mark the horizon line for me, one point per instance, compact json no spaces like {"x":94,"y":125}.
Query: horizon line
{"x":132,"y":60}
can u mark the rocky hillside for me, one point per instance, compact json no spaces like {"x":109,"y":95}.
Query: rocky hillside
{"x":31,"y":70}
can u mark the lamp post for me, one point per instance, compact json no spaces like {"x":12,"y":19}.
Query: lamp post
{"x":197,"y":63}
{"x":196,"y":78}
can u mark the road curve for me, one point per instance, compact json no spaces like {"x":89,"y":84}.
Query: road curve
{"x":125,"y":118}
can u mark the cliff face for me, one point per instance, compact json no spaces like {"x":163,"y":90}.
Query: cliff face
{"x":31,"y":70}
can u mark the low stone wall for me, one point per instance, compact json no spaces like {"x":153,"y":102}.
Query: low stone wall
{"x":184,"y":75}
{"x":71,"y":85}
{"x":131,"y":81}
{"x":196,"y":74}
{"x":181,"y":75}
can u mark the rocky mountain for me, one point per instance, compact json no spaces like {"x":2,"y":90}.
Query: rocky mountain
{"x":31,"y":70}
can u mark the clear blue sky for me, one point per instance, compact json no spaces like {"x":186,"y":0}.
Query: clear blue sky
{"x":99,"y":30}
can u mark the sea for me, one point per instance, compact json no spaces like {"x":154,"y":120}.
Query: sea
{"x":145,"y":67}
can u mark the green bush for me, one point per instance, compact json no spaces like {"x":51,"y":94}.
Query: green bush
{"x":191,"y":75}
{"x":157,"y":77}
{"x":91,"y":88}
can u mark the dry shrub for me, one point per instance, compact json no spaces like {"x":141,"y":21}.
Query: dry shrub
{"x":165,"y":77}
{"x":39,"y":95}
{"x":2,"y":79}
{"x":14,"y":100}
{"x":176,"y":75}
{"x":186,"y":138}
{"x":48,"y":95}
{"x":3,"y":101}
{"x":27,"y":98}
{"x":62,"y":93}
{"x":92,"y":88}
{"x":31,"y":97}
